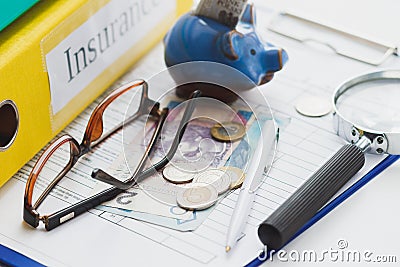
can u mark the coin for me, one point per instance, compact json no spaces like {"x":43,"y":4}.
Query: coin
{"x":197,"y":196}
{"x":313,"y":106}
{"x":177,"y":176}
{"x":215,"y":177}
{"x":228,"y":131}
{"x":237,"y":176}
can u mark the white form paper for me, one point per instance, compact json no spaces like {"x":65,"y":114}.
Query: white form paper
{"x":102,"y":238}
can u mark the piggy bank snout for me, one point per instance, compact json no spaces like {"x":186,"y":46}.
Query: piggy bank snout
{"x":275,"y":58}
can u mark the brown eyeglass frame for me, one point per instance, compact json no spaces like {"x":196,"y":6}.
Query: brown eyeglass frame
{"x":92,"y":137}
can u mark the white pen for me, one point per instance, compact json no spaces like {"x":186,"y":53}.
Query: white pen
{"x":262,"y":159}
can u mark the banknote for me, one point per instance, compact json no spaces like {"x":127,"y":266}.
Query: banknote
{"x":197,"y":149}
{"x":239,"y":158}
{"x":190,"y":224}
{"x":154,"y":195}
{"x":196,"y":152}
{"x":154,"y":201}
{"x":224,"y":11}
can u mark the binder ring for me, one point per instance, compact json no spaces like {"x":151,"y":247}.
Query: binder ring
{"x":9,"y":121}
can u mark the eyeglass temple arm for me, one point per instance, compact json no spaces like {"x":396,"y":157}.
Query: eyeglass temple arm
{"x":59,"y":217}
{"x":136,"y":177}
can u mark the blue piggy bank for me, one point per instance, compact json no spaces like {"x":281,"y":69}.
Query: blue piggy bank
{"x":198,"y":38}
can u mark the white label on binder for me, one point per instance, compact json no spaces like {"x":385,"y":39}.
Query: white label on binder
{"x":97,"y":43}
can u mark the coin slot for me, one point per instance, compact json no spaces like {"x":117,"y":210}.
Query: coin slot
{"x":9,"y":121}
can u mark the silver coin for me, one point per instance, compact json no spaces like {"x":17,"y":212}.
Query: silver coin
{"x":237,"y":176}
{"x":313,"y":106}
{"x":176,"y":176}
{"x":215,"y":177}
{"x":197,"y":196}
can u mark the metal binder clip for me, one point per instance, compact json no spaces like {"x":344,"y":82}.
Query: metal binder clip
{"x":341,"y":42}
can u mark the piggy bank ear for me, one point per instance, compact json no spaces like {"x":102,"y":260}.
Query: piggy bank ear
{"x":249,"y":15}
{"x":229,"y":43}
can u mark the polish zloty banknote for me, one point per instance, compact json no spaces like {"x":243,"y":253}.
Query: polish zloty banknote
{"x":224,"y":11}
{"x":197,"y":151}
{"x":152,"y":196}
{"x":239,"y":158}
{"x":190,"y":224}
{"x":161,"y":208}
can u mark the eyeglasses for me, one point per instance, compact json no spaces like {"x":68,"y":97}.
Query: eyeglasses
{"x":66,"y":147}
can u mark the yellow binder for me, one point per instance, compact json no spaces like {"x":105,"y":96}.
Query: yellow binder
{"x":57,"y":39}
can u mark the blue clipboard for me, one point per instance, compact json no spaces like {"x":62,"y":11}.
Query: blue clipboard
{"x":9,"y":257}
{"x":334,"y":203}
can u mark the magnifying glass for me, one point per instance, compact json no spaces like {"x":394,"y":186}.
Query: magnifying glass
{"x":367,"y":115}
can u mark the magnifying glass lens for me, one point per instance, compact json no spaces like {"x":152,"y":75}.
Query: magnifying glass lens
{"x":373,"y":105}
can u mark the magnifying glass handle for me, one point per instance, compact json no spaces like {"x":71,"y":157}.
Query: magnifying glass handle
{"x":281,"y":225}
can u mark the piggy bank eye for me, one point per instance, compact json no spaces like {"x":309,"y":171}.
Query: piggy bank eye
{"x":253,"y":52}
